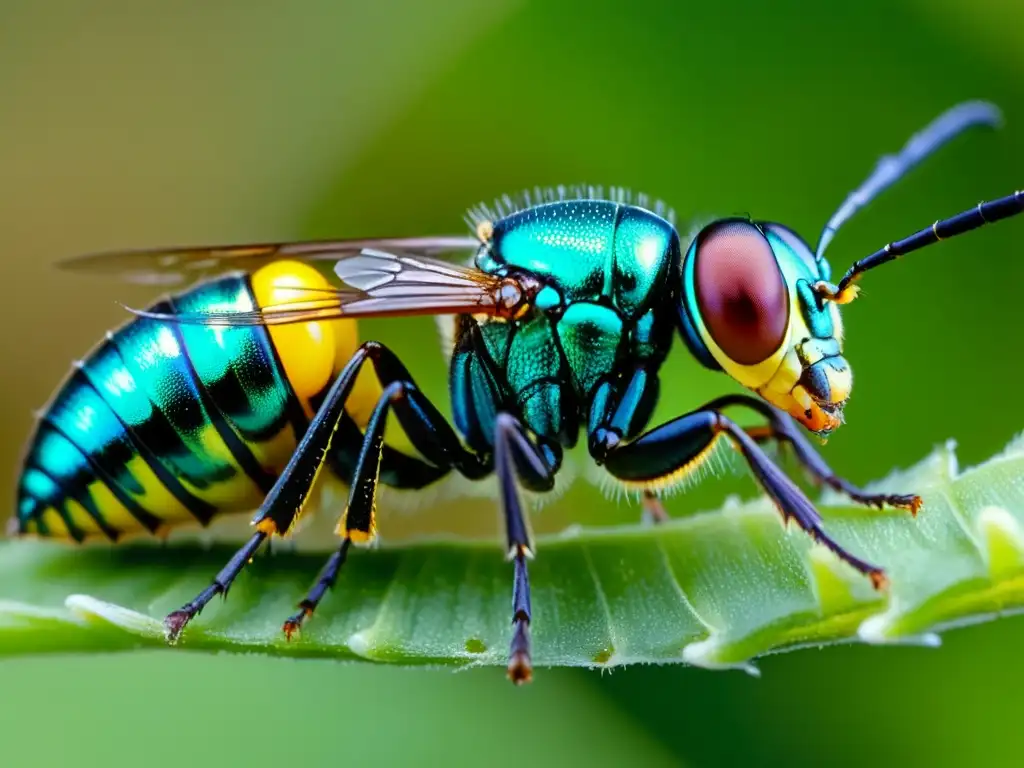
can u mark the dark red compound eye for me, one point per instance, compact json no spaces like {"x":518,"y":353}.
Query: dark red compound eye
{"x":740,"y":291}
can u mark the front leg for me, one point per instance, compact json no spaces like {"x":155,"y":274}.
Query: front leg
{"x":782,"y":428}
{"x":669,"y":451}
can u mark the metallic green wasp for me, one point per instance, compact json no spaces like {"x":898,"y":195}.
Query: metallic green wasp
{"x":235,"y":393}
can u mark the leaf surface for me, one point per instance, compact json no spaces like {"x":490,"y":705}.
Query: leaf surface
{"x":716,"y":589}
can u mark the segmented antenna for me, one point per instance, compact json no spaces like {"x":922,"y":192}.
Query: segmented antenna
{"x":891,"y":168}
{"x":972,"y":218}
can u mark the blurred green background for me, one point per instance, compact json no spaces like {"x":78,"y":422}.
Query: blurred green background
{"x":127,"y":124}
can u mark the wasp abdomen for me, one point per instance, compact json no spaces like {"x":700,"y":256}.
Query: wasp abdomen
{"x":169,"y":422}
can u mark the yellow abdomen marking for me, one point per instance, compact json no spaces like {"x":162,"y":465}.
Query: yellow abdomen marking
{"x":307,"y":351}
{"x":54,"y":524}
{"x":313,"y":353}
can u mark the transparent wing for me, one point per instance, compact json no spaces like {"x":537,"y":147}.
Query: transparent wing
{"x":171,"y":266}
{"x":376,"y":284}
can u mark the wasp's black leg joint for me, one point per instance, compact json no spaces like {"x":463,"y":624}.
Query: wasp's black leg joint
{"x":791,"y":501}
{"x":429,"y":433}
{"x":424,"y":425}
{"x":782,"y":428}
{"x":515,"y":455}
{"x":520,"y":663}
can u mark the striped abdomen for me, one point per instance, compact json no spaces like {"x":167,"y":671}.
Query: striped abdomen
{"x":167,"y":423}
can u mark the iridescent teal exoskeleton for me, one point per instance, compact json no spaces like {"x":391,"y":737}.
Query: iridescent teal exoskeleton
{"x":234,"y":394}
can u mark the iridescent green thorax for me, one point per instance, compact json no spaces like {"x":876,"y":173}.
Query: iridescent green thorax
{"x":602,"y":266}
{"x":589,"y":250}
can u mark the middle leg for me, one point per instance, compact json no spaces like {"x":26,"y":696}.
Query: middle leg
{"x":517,"y":457}
{"x":654,"y":510}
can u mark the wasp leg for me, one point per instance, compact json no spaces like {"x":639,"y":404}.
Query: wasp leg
{"x":325,"y":581}
{"x":783,"y":429}
{"x":676,"y":447}
{"x":175,"y":622}
{"x":653,"y":508}
{"x":429,"y":433}
{"x":287,"y":497}
{"x":627,"y":406}
{"x":516,"y":457}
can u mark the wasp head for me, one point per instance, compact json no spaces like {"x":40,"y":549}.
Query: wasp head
{"x":748,"y":307}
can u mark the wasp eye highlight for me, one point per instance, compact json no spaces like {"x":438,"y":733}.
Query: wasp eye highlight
{"x":740,"y":291}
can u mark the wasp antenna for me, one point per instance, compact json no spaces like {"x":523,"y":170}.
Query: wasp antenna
{"x":892,"y":168}
{"x":972,"y":218}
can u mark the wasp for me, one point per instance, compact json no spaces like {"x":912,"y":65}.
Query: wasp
{"x":236,"y":393}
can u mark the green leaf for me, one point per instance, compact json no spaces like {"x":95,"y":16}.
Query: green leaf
{"x":715,"y":590}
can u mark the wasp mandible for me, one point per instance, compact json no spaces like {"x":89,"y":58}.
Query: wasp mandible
{"x":234,"y":394}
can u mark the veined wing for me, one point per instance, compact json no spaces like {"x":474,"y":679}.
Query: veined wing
{"x":171,"y":266}
{"x":379,"y":284}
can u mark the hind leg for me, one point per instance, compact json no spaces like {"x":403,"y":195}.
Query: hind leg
{"x":422,"y":422}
